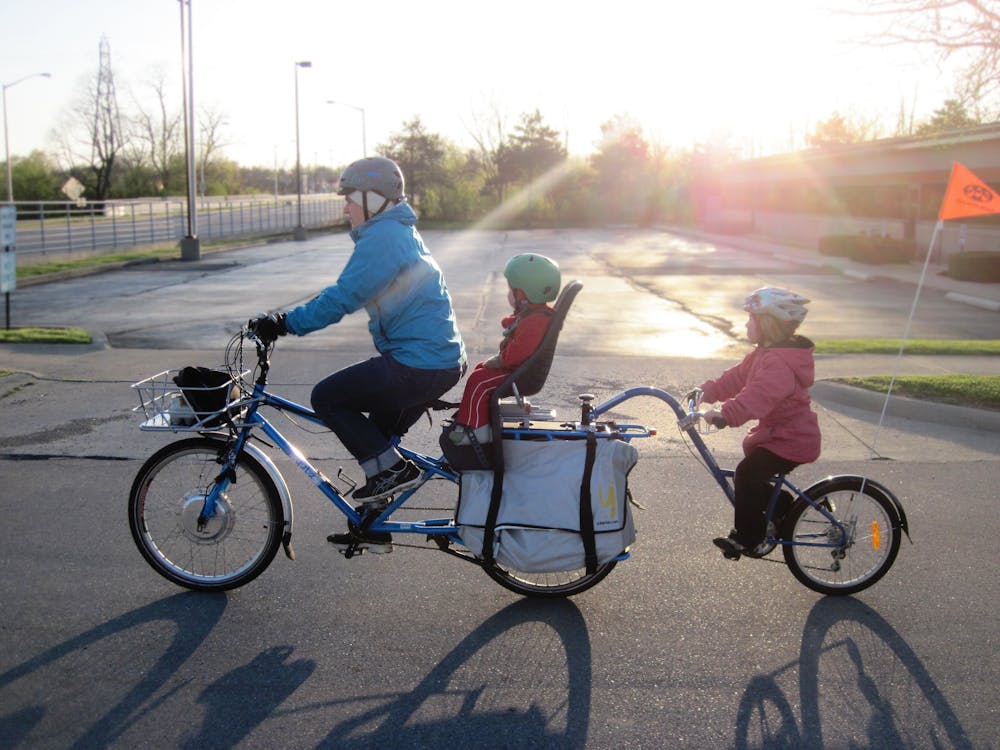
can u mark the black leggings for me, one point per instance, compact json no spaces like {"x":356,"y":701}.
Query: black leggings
{"x":753,"y":492}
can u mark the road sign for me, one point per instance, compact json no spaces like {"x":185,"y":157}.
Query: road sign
{"x":8,"y":270}
{"x":8,"y":224}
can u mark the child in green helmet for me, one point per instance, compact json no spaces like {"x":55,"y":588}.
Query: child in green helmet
{"x":533,"y":281}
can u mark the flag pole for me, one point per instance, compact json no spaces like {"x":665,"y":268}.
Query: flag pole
{"x":906,"y":331}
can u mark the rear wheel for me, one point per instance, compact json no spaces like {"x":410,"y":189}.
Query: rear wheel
{"x":222,"y":552}
{"x":850,"y":563}
{"x":548,"y":585}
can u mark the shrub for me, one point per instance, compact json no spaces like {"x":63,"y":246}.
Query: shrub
{"x":865,"y":249}
{"x":980,"y":265}
{"x":838,"y":244}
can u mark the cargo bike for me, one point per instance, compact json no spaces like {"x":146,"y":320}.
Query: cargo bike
{"x":211,"y":510}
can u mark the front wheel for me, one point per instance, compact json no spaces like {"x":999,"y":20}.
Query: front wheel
{"x":836,"y":562}
{"x":548,"y":585}
{"x":165,"y":506}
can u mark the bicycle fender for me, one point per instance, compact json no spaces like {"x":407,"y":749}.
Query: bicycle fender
{"x":286,"y":499}
{"x":876,"y":487}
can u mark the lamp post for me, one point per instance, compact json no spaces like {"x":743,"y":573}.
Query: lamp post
{"x":364,"y":135}
{"x":6,"y":135}
{"x":190,"y":244}
{"x":300,"y":231}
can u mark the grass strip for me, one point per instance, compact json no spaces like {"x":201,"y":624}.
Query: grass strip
{"x":44,"y":336}
{"x":913,"y":346}
{"x":977,"y":391}
{"x":162,"y":251}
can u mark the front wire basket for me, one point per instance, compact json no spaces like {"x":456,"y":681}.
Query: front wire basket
{"x":163,"y":405}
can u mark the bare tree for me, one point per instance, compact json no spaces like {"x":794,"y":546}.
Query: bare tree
{"x":489,"y":132}
{"x":156,"y":135}
{"x":211,"y":121}
{"x":967,"y":30}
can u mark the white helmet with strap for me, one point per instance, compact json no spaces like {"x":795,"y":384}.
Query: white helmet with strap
{"x":777,"y":302}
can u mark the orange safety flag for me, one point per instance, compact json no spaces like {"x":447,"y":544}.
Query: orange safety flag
{"x":967,"y":195}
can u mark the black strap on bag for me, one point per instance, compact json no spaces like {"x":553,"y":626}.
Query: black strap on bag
{"x":586,"y":509}
{"x":489,"y":532}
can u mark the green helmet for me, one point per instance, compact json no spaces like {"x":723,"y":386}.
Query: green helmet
{"x":535,"y":275}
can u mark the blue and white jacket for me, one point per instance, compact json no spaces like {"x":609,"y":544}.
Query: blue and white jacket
{"x":393,"y":276}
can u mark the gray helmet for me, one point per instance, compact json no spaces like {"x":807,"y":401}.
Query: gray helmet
{"x":374,"y":173}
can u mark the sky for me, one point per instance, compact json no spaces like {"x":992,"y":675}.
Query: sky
{"x":756,"y":75}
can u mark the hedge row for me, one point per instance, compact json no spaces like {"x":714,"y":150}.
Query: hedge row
{"x":980,"y":265}
{"x":865,"y":249}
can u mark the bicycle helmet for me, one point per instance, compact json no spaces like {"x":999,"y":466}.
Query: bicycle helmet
{"x":535,"y":275}
{"x":777,"y":302}
{"x":374,"y":183}
{"x":374,"y":173}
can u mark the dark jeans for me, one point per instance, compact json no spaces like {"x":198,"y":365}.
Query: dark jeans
{"x":753,"y":492}
{"x":392,"y":395}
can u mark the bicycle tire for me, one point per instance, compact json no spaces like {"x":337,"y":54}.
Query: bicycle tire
{"x":548,"y":585}
{"x":235,"y":546}
{"x":874,"y":533}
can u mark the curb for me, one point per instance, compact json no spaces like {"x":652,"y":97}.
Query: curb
{"x":825,"y":391}
{"x":985,"y":304}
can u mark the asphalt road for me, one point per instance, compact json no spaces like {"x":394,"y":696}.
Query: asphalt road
{"x":677,"y":648}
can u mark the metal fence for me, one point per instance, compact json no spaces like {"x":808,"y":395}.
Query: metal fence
{"x":55,"y":228}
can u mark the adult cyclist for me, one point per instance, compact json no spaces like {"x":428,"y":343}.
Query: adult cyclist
{"x":392,"y":275}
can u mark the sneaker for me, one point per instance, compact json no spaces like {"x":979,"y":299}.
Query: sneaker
{"x":376,"y":542}
{"x":731,"y":549}
{"x":402,"y":476}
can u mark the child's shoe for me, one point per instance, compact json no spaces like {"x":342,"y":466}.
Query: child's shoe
{"x":731,"y":549}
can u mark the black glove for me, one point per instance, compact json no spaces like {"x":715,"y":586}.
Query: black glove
{"x":694,"y":394}
{"x":269,"y":327}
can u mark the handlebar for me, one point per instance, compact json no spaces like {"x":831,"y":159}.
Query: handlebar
{"x":697,"y":418}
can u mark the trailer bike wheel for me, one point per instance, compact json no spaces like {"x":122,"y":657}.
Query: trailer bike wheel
{"x":873,"y":532}
{"x":223,"y":552}
{"x":548,"y":585}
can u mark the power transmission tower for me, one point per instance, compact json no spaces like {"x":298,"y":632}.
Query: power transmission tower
{"x":106,"y":129}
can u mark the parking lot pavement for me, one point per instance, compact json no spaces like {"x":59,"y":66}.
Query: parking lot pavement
{"x":927,"y":274}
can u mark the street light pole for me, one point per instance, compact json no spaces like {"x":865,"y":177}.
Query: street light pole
{"x":300,"y":231}
{"x":364,"y":132}
{"x":6,"y":135}
{"x":190,"y":244}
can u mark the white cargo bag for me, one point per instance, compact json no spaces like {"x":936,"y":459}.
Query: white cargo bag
{"x":538,"y":527}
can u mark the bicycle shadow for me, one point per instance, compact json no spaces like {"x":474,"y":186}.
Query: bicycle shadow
{"x":872,"y":690}
{"x":240,"y":700}
{"x":194,"y":616}
{"x":558,"y":722}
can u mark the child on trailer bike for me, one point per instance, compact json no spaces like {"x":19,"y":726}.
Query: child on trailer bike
{"x":532,"y":281}
{"x":420,"y":351}
{"x":771,"y":385}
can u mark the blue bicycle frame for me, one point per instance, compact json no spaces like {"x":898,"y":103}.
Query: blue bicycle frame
{"x":722,"y":476}
{"x":438,"y":468}
{"x":253,"y":419}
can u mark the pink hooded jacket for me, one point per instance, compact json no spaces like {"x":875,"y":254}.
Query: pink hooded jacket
{"x":772,"y":385}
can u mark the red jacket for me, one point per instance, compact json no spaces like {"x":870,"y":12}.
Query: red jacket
{"x":522,"y":334}
{"x":772,"y":385}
